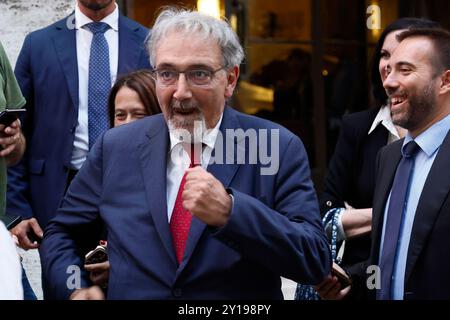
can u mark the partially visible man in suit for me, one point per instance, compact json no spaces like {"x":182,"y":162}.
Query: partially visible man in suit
{"x":411,"y":212}
{"x":227,"y":229}
{"x":65,"y":72}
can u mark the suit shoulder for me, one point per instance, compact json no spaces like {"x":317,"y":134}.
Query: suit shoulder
{"x":134,"y":25}
{"x":135,"y":129}
{"x":361,"y":121}
{"x":45,"y":32}
{"x":252,"y":122}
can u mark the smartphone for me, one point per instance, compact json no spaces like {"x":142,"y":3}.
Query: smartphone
{"x":97,"y":255}
{"x":10,"y":221}
{"x":342,"y":276}
{"x":10,"y":115}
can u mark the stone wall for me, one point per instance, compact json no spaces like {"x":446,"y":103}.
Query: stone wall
{"x":20,"y":17}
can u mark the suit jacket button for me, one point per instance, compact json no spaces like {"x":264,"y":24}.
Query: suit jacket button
{"x":329,"y":203}
{"x":177,"y":292}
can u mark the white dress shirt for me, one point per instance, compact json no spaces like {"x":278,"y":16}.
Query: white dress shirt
{"x":10,"y":269}
{"x":84,"y":39}
{"x":384,"y":118}
{"x":178,"y":162}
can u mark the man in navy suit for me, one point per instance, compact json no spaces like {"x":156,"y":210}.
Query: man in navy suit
{"x":409,"y":258}
{"x":53,"y":73}
{"x":200,"y":202}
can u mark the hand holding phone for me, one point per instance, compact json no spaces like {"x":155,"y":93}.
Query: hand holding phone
{"x":97,"y":255}
{"x":10,"y":115}
{"x":342,"y":276}
{"x":12,"y":141}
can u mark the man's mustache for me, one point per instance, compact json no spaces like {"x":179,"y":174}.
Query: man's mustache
{"x":177,"y":105}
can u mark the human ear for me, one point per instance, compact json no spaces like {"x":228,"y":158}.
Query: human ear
{"x":232,"y":77}
{"x":444,"y":88}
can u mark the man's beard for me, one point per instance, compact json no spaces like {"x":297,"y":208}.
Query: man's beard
{"x":190,"y":127}
{"x":420,"y":105}
{"x":94,"y":5}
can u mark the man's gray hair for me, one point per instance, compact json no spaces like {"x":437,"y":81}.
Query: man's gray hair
{"x":189,"y":22}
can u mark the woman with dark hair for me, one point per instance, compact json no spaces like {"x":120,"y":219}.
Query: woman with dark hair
{"x":350,"y":183}
{"x":132,"y":97}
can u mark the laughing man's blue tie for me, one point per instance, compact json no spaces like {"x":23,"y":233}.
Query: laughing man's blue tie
{"x":99,"y":82}
{"x":397,"y":204}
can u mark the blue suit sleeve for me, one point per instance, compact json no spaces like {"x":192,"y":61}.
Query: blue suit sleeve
{"x":79,"y":211}
{"x":288,"y":237}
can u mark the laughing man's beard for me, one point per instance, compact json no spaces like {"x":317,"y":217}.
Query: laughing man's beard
{"x":420,"y":105}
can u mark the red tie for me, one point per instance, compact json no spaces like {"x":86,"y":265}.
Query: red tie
{"x":180,"y":222}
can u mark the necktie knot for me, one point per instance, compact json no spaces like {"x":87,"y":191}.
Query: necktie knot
{"x":97,"y":27}
{"x":410,"y":149}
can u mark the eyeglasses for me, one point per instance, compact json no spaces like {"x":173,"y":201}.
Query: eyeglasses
{"x":195,"y":77}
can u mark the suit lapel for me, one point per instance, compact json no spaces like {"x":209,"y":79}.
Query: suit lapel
{"x":435,"y":190}
{"x":387,"y":167}
{"x":65,"y":45}
{"x":153,"y":154}
{"x":224,"y":173}
{"x":129,"y":47}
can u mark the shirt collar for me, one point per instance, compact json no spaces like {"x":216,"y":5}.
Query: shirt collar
{"x":208,"y":138}
{"x":112,"y":19}
{"x":384,"y":118}
{"x":431,"y":139}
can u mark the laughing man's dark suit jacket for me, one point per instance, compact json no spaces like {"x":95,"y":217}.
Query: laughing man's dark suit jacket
{"x":274,"y":230}
{"x":47,"y":72}
{"x":428,"y":263}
